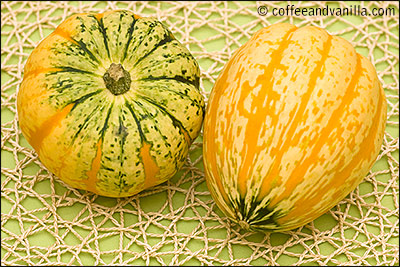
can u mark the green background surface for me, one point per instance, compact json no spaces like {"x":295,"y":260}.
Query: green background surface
{"x":43,"y":189}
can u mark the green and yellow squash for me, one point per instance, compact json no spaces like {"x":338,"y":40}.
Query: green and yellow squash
{"x":294,"y":122}
{"x":111,"y":102}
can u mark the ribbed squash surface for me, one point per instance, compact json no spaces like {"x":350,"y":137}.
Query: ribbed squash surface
{"x":111,"y":143}
{"x":294,"y":123}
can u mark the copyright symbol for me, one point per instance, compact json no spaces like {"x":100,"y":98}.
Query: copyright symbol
{"x":262,"y":10}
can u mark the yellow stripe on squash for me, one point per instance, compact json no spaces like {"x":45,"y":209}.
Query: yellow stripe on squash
{"x":150,"y":167}
{"x":294,"y":123}
{"x":94,"y":170}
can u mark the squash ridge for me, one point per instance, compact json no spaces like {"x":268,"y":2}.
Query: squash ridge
{"x":291,"y":131}
{"x":255,"y":125}
{"x":103,"y":32}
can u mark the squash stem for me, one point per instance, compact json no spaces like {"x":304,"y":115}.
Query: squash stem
{"x":117,"y":79}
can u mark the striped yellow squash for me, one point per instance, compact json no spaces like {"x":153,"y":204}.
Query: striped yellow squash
{"x":294,"y":123}
{"x":111,"y":102}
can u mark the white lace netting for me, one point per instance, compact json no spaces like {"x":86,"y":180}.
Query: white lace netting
{"x":45,"y":222}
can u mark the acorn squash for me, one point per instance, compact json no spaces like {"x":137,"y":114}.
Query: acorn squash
{"x":111,"y":102}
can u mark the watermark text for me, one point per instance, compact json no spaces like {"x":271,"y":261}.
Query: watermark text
{"x":352,"y":10}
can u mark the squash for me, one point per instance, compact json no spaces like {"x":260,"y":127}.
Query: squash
{"x":294,"y":122}
{"x":111,"y":102}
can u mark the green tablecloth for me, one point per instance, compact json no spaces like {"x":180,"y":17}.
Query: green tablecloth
{"x":45,"y":222}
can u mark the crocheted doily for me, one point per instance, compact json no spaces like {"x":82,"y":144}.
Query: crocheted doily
{"x":46,"y":222}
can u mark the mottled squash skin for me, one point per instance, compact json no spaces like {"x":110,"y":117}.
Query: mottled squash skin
{"x":113,"y":143}
{"x":294,"y":122}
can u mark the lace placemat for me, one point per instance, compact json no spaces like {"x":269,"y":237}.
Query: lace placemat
{"x":45,"y":222}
